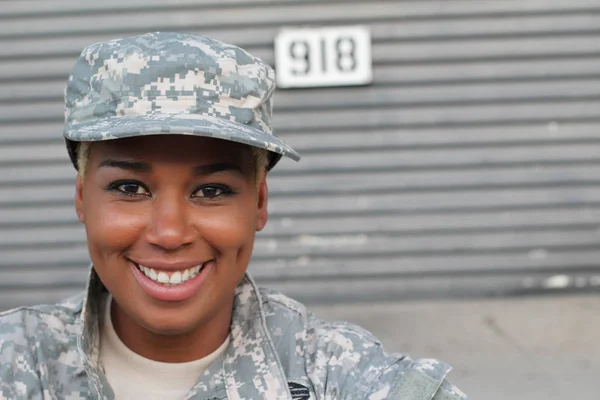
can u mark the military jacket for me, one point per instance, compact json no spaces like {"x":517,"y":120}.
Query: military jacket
{"x":278,"y":350}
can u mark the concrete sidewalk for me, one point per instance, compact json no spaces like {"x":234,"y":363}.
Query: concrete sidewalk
{"x":521,"y":348}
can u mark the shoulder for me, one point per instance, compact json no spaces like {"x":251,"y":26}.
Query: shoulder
{"x":336,"y":338}
{"x":33,"y":336}
{"x":415,"y":379}
{"x":30,"y":320}
{"x":345,"y":360}
{"x":277,"y":304}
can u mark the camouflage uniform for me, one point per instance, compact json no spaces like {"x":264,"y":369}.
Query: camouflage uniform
{"x":174,"y":83}
{"x":278,"y":351}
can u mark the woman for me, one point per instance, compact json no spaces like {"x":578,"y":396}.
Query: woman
{"x":171,"y":136}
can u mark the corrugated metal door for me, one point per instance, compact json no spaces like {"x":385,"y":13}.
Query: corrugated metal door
{"x":470,"y":166}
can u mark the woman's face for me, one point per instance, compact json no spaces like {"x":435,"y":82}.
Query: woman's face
{"x":170,"y":223}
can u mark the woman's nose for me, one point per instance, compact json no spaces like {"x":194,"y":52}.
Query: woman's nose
{"x":170,"y":228}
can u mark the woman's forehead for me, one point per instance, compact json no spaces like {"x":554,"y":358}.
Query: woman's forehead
{"x":185,"y":148}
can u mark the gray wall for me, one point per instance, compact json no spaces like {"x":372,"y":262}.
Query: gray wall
{"x":470,"y":166}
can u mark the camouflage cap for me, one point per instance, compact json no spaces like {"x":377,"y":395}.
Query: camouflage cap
{"x":171,"y":83}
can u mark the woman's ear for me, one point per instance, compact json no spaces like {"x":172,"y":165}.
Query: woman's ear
{"x":263,"y":196}
{"x":79,"y":199}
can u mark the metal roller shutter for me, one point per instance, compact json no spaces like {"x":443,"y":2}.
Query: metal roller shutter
{"x":470,"y":166}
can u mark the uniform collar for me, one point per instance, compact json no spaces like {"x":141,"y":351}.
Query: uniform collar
{"x":250,"y":367}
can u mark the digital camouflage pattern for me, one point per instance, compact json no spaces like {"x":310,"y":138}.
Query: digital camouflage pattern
{"x":161,"y":83}
{"x":52,"y":352}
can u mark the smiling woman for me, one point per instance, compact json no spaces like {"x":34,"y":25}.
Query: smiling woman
{"x":158,"y":209}
{"x":171,"y":136}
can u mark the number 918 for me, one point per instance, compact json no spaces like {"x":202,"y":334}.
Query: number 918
{"x":308,"y":60}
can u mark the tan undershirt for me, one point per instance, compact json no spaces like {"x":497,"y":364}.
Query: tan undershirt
{"x":132,"y":376}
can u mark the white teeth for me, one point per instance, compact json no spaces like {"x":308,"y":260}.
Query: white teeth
{"x":175,"y":278}
{"x":163,"y":277}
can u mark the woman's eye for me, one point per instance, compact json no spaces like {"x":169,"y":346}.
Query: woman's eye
{"x":212,"y":191}
{"x":132,"y":189}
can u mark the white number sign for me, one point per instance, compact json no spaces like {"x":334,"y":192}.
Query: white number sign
{"x":309,"y":57}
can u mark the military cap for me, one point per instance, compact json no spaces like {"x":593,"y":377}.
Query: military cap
{"x":171,"y":83}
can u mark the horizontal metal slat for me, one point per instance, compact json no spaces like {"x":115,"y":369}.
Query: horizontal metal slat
{"x":24,"y":196}
{"x":43,"y":277}
{"x":487,"y":71}
{"x":444,"y":136}
{"x":26,"y":8}
{"x":484,"y":114}
{"x":484,"y":49}
{"x":37,"y":174}
{"x":37,"y":259}
{"x":431,"y":95}
{"x":348,"y":203}
{"x":367,"y":245}
{"x":39,"y":153}
{"x":395,"y":265}
{"x":263,"y":36}
{"x":22,"y":8}
{"x":469,"y":28}
{"x":293,"y":13}
{"x":34,"y":131}
{"x":278,"y":13}
{"x":43,"y":236}
{"x":28,"y":70}
{"x":18,"y":297}
{"x":369,"y":288}
{"x":530,"y":220}
{"x":558,"y":176}
{"x":433,"y":159}
{"x":49,"y":110}
{"x":43,"y":215}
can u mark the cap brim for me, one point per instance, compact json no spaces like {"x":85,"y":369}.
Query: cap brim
{"x":182,"y":124}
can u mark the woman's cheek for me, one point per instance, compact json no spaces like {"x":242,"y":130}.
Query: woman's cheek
{"x":228,"y":228}
{"x":113,"y":226}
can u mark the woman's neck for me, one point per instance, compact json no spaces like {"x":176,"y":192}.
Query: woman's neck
{"x":176,"y":347}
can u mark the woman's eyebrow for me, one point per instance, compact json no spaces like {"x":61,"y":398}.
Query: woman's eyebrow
{"x":136,"y":166}
{"x":217,"y":167}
